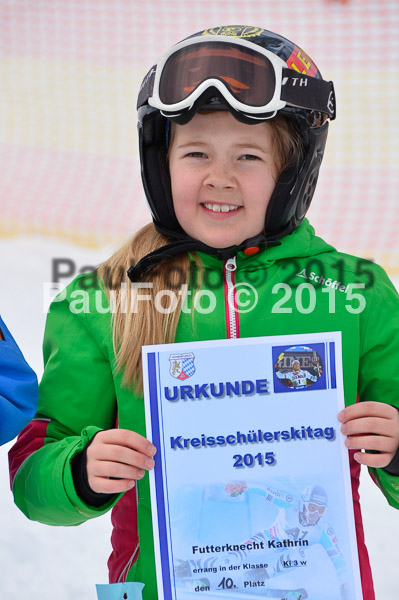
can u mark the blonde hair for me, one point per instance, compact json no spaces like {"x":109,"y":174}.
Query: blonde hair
{"x":287,"y":141}
{"x":146,"y":325}
{"x":138,"y":323}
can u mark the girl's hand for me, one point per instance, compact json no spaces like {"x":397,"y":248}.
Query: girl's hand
{"x":116,"y":458}
{"x":371,"y":426}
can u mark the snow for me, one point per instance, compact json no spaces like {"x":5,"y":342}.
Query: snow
{"x":42,"y":562}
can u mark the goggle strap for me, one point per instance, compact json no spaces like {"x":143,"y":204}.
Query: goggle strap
{"x":304,"y":91}
{"x":146,"y":87}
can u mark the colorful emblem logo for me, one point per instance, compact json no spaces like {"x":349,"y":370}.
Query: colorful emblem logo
{"x":299,"y":61}
{"x":235,"y":31}
{"x":182,"y":365}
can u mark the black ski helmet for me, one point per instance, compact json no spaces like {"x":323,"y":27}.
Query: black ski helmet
{"x":301,"y":95}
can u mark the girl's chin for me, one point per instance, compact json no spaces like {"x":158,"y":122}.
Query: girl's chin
{"x":220,"y":243}
{"x":221,"y":240}
{"x":219,"y":237}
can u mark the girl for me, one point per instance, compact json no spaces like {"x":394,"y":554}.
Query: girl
{"x":232,"y":128}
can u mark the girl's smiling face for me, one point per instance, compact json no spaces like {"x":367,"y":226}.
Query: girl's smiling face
{"x":223,"y":173}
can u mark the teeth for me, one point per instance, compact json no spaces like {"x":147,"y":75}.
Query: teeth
{"x":221,"y":207}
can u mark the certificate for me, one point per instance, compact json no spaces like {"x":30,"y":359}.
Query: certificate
{"x":251,"y":494}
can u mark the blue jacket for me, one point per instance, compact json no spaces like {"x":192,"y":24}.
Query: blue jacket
{"x":18,"y":388}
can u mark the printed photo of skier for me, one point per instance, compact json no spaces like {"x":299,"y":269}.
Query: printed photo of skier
{"x":296,"y":534}
{"x":298,"y":368}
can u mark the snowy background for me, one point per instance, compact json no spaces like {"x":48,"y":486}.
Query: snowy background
{"x":42,"y":562}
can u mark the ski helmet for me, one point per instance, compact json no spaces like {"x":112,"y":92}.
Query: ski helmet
{"x":256,"y":75}
{"x":315,"y":501}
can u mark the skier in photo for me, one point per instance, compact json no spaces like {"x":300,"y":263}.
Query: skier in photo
{"x":233,"y":123}
{"x":298,"y":377}
{"x":301,"y":518}
{"x":300,"y":523}
{"x":18,"y":388}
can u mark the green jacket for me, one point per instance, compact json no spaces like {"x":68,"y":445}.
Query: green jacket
{"x":80,"y":392}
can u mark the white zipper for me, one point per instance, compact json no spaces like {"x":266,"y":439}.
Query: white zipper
{"x":123,"y":575}
{"x":127,"y":567}
{"x":230,"y":291}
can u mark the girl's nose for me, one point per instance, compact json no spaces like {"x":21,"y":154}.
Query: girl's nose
{"x":220,"y":176}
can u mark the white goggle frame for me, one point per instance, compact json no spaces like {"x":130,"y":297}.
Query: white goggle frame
{"x":274,"y":105}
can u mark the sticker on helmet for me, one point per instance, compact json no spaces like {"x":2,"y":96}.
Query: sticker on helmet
{"x":235,"y":30}
{"x":301,"y":62}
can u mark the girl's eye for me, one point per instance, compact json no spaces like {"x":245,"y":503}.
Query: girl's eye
{"x":196,"y":155}
{"x":249,"y":157}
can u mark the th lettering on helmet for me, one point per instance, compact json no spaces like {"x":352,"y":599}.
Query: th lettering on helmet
{"x":235,"y":31}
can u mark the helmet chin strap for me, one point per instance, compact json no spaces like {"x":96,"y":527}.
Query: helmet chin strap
{"x":187,"y":244}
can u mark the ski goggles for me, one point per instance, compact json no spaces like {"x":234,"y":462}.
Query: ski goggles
{"x":313,"y":508}
{"x":252,"y":80}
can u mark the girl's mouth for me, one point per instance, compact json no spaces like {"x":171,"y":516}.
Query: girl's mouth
{"x":221,"y":207}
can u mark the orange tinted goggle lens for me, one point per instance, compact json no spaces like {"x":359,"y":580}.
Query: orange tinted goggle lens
{"x":248,"y":75}
{"x":316,"y":507}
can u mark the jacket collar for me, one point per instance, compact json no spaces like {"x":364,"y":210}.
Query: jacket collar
{"x":302,"y":242}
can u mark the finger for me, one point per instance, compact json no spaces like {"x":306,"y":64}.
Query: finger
{"x":127,"y":438}
{"x":130,"y":439}
{"x":117,"y":470}
{"x":377,"y":443}
{"x":375,"y":425}
{"x":120,"y":454}
{"x":103,"y":485}
{"x":367,"y":409}
{"x":378,"y":461}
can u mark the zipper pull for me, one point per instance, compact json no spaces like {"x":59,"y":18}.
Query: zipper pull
{"x":231,"y":264}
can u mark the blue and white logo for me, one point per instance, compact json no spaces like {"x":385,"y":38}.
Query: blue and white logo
{"x":182,"y":365}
